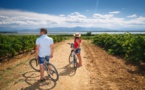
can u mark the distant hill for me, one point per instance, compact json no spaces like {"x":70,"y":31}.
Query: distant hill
{"x":72,"y":29}
{"x":75,"y":29}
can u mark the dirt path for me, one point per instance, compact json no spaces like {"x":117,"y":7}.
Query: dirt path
{"x":69,"y":79}
{"x":100,"y":71}
{"x":112,"y":73}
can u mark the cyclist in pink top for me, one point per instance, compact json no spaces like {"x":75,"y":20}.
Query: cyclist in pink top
{"x":77,"y":49}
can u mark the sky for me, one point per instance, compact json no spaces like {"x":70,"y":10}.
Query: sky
{"x":110,"y":14}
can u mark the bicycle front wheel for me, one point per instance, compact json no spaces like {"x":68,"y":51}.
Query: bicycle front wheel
{"x":70,"y":58}
{"x":52,"y":72}
{"x":34,"y":64}
{"x":75,"y":64}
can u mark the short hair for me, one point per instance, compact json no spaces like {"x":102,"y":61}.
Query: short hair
{"x":44,"y":30}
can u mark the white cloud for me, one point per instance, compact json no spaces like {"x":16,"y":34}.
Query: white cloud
{"x":31,"y":20}
{"x":106,"y":16}
{"x":16,"y":17}
{"x":75,"y":17}
{"x":132,"y":16}
{"x":115,"y":12}
{"x":62,"y":15}
{"x":137,"y":21}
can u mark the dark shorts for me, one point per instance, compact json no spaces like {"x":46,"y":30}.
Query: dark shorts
{"x":78,"y":50}
{"x":42,"y":59}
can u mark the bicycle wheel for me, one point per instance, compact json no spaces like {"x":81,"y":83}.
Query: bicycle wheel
{"x":75,"y":64}
{"x":34,"y":64}
{"x":70,"y":58}
{"x":52,"y":72}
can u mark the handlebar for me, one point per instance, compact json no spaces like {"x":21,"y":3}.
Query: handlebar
{"x":71,"y":44}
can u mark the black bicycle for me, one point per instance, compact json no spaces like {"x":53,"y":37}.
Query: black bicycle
{"x":48,"y":67}
{"x":72,"y":57}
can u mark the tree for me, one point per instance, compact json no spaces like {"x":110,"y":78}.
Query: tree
{"x":89,"y":34}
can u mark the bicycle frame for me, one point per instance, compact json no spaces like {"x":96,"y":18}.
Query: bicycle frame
{"x":73,"y":53}
{"x":74,"y":56}
{"x":45,"y":64}
{"x":48,"y":67}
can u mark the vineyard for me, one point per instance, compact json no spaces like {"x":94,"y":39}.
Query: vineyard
{"x":11,"y":45}
{"x":132,"y":47}
{"x":99,"y":71}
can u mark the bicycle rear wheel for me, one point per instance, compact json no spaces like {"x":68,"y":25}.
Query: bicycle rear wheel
{"x":34,"y":64}
{"x":52,"y":72}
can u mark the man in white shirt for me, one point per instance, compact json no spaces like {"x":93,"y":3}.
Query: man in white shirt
{"x":44,"y":50}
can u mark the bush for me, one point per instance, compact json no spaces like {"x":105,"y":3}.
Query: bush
{"x":89,"y":34}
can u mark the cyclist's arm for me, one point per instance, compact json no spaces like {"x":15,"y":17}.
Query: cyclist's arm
{"x":37,"y":47}
{"x":37,"y":50}
{"x":52,"y":50}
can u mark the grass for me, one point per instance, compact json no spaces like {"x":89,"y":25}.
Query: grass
{"x":19,"y":64}
{"x":4,"y":79}
{"x":8,"y":68}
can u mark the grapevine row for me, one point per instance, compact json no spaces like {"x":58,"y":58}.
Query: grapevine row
{"x":11,"y":45}
{"x":132,"y":47}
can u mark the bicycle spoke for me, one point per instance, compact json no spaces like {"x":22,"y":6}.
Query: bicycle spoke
{"x":52,"y":72}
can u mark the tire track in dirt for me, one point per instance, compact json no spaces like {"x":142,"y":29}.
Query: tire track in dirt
{"x":98,"y":76}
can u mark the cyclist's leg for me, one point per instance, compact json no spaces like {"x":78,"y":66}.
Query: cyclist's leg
{"x":78,"y":53}
{"x":41,"y":62}
{"x":47,"y":59}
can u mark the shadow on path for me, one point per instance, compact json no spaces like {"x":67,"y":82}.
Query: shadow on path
{"x":67,"y":70}
{"x":31,"y":78}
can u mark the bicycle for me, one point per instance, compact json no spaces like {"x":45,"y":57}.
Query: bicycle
{"x":72,"y":57}
{"x":48,"y":67}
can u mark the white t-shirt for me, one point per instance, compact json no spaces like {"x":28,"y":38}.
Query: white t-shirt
{"x":44,"y":43}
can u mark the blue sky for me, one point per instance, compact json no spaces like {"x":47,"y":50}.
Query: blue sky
{"x":33,"y":14}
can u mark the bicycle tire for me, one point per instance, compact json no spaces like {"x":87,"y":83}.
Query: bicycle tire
{"x":34,"y":61}
{"x":72,"y":61}
{"x":55,"y":71}
{"x":70,"y":58}
{"x":75,"y":64}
